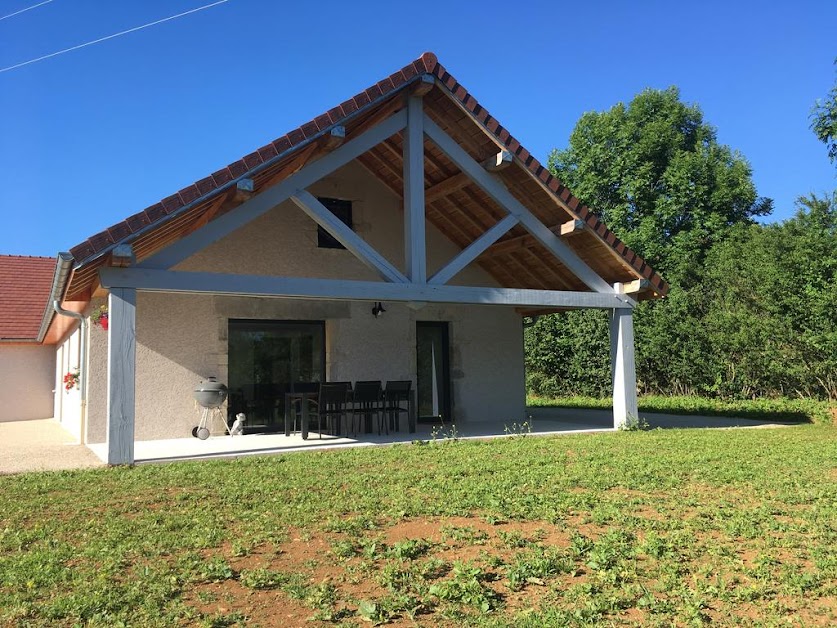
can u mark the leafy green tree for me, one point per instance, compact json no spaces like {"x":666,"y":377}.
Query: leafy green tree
{"x":568,"y":354}
{"x":824,"y":121}
{"x":772,"y":305}
{"x":658,"y":177}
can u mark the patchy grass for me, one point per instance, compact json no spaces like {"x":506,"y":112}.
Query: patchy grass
{"x":786,"y":409}
{"x":660,"y":528}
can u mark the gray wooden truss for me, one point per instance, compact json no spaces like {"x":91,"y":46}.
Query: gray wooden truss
{"x":157,"y":273}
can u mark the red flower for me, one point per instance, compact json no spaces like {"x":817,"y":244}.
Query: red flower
{"x":71,"y":380}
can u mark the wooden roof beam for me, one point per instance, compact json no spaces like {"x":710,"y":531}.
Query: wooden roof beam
{"x":635,"y":286}
{"x":473,"y":250}
{"x":155,"y":280}
{"x":448,"y":186}
{"x":356,"y":245}
{"x":566,"y":229}
{"x":500,"y":161}
{"x":335,"y":138}
{"x":497,"y":191}
{"x":122,"y":256}
{"x":425,"y":83}
{"x":244,"y":189}
{"x":571,"y":227}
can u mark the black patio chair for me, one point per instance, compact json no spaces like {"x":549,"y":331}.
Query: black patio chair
{"x":334,"y":401}
{"x":348,"y":385}
{"x":369,"y":401}
{"x":397,"y":402}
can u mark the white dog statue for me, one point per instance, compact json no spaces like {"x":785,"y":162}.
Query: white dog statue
{"x":238,"y":425}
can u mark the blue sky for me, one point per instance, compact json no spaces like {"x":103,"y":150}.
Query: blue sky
{"x":95,"y":135}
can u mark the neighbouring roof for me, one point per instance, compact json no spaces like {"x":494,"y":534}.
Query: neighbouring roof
{"x":459,"y":208}
{"x":25,"y":285}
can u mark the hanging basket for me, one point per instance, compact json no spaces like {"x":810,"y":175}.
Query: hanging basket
{"x":99,"y":317}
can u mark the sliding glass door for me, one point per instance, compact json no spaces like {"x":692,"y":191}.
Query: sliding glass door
{"x":265,"y":358}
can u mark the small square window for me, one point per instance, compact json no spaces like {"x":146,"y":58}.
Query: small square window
{"x":341,"y":209}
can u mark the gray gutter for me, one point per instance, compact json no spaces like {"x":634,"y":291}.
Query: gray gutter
{"x":59,"y":283}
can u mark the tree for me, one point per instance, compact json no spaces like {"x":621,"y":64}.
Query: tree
{"x":658,"y":177}
{"x":772,"y":305}
{"x":824,"y":121}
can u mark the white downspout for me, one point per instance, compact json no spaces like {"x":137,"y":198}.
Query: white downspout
{"x":62,"y":272}
{"x":82,"y":367}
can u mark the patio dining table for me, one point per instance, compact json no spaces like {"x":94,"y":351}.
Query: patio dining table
{"x":305,"y":397}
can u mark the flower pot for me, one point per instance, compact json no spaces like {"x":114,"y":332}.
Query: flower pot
{"x":104,"y":322}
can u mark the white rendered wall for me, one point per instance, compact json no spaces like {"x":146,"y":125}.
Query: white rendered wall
{"x":26,"y":375}
{"x":97,"y":359}
{"x":67,"y":407}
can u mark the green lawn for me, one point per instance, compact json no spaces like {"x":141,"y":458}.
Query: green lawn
{"x":673,"y":527}
{"x":779,"y":409}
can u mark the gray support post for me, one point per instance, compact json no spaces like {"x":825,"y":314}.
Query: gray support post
{"x":415,"y":250}
{"x":623,"y":368}
{"x":122,"y":305}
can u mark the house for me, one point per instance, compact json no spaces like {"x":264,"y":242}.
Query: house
{"x":402,"y":235}
{"x":27,"y":365}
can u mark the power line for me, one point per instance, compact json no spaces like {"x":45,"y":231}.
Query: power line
{"x":101,"y":39}
{"x":34,"y":6}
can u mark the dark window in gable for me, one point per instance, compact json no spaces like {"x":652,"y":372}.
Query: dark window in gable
{"x":341,"y":209}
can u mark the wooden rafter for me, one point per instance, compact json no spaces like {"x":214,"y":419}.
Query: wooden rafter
{"x":566,"y":229}
{"x":500,"y":161}
{"x":446,"y":187}
{"x":500,"y":194}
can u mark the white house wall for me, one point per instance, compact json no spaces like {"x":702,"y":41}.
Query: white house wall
{"x":97,"y":359}
{"x":67,"y":408}
{"x":26,"y":373}
{"x":183,"y":338}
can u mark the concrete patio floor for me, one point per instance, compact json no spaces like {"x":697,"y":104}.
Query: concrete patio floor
{"x":544,"y":421}
{"x":41,"y":445}
{"x":174,"y":449}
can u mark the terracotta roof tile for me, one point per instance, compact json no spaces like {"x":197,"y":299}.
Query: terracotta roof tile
{"x":189,"y":194}
{"x":25,"y":284}
{"x":268,"y":152}
{"x":137,"y":221}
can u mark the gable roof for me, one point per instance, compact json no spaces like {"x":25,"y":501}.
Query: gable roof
{"x":461,"y":210}
{"x":25,"y":285}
